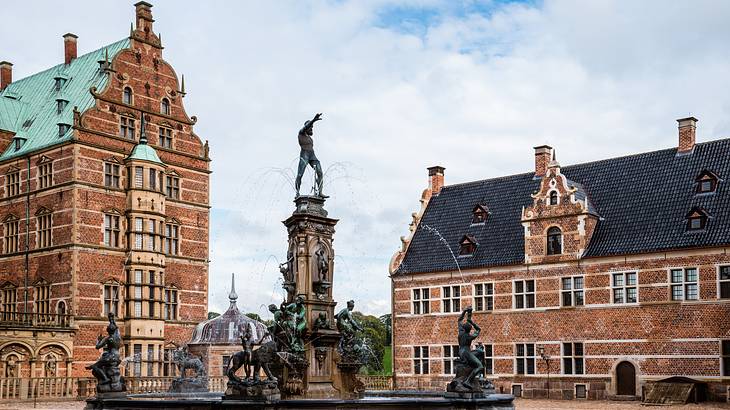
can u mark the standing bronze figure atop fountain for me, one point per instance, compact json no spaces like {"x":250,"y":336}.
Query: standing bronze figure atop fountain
{"x":469,"y":381}
{"x":307,"y":157}
{"x":106,"y":369}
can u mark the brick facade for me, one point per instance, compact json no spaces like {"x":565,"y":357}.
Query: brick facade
{"x":80,"y":260}
{"x":620,"y":309}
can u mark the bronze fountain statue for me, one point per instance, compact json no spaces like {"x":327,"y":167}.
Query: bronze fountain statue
{"x":106,"y":369}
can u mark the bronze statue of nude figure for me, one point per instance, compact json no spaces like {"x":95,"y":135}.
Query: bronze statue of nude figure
{"x":307,"y":156}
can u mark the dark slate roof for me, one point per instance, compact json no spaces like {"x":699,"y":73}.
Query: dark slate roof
{"x":642,"y":201}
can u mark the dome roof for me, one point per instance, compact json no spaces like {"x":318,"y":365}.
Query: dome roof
{"x":228,"y":328}
{"x":142,"y":151}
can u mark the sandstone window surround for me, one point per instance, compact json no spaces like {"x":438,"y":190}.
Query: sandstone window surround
{"x":168,"y":363}
{"x":45,"y":174}
{"x":723,"y":285}
{"x":451,"y":299}
{"x":553,"y":198}
{"x":165,"y":106}
{"x":153,"y":294}
{"x":127,"y":127}
{"x":421,"y":360}
{"x":684,"y":284}
{"x":573,"y":358}
{"x":112,"y":231}
{"x":137,"y":371}
{"x":165,"y":137}
{"x":152,"y":235}
{"x":450,"y":355}
{"x":554,"y":241}
{"x":524,"y":294}
{"x":483,"y":297}
{"x":12,"y":183}
{"x":111,"y":298}
{"x":138,"y":177}
{"x":127,"y":96}
{"x":572,"y":291}
{"x":524,"y":358}
{"x":10,"y":300}
{"x":150,"y":360}
{"x":172,"y":186}
{"x":112,"y":174}
{"x":172,"y":238}
{"x":44,"y":220}
{"x":138,"y":233}
{"x":43,"y":300}
{"x":725,"y":357}
{"x":135,"y":288}
{"x":421,"y":301}
{"x":171,"y":302}
{"x":11,"y":234}
{"x":624,"y":287}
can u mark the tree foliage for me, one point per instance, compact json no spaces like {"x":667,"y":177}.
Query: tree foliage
{"x":213,"y":315}
{"x":375,"y":335}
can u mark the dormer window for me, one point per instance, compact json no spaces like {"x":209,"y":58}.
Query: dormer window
{"x":553,"y":200}
{"x":60,"y":81}
{"x":127,"y":96}
{"x":467,"y":246}
{"x":165,"y":106}
{"x":554,"y":241}
{"x":706,"y":182}
{"x":696,"y":219}
{"x":60,"y":105}
{"x":18,"y":142}
{"x":63,"y":129}
{"x":479,"y":214}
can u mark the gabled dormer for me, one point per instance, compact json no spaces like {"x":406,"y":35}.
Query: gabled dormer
{"x":559,"y":224}
{"x":706,"y":182}
{"x":467,"y":246}
{"x":480,"y":213}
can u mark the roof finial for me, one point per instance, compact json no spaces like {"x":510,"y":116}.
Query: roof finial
{"x":182,"y":91}
{"x":233,"y":296}
{"x":106,"y":55}
{"x":131,"y":29}
{"x":142,"y":133}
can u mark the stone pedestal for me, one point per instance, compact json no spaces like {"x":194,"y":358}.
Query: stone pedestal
{"x":189,"y":385}
{"x":263,"y":391}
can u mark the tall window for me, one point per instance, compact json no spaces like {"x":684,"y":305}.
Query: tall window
{"x":11,"y":235}
{"x":420,"y":360}
{"x":153,"y":179}
{"x":111,"y":175}
{"x":483,"y":297}
{"x":684,"y":284}
{"x":172,"y":187}
{"x":554,"y":241}
{"x":127,"y":96}
{"x":111,"y":299}
{"x":43,"y":300}
{"x":451,"y":299}
{"x":421,"y":301}
{"x":10,"y":306}
{"x":111,"y":230}
{"x":572,"y":291}
{"x":138,"y":177}
{"x":553,"y":198}
{"x":150,"y":360}
{"x":170,"y":304}
{"x":725,"y":351}
{"x":573,"y":358}
{"x":151,"y":303}
{"x":134,"y":293}
{"x":165,"y":137}
{"x":126,"y":127}
{"x":724,"y":279}
{"x":525,"y":358}
{"x":152,"y":230}
{"x":45,"y":222}
{"x":45,"y":175}
{"x":169,"y":365}
{"x":172,"y":239}
{"x":488,"y":359}
{"x":451,"y":353}
{"x":524,"y":294}
{"x":138,"y":232}
{"x":138,"y":360}
{"x":624,"y":287}
{"x":165,"y":106}
{"x":12,"y":183}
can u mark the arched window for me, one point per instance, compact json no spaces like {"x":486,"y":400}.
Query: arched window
{"x":127,"y":96}
{"x":165,"y":106}
{"x":553,"y":198}
{"x":554,"y":241}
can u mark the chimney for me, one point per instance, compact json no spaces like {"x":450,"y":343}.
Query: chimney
{"x":143,"y":11}
{"x":543,"y":155}
{"x":6,"y":74}
{"x":436,"y":179}
{"x":69,"y":47}
{"x":687,"y":128}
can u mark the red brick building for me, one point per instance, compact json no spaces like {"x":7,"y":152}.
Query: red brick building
{"x":599,"y":277}
{"x":104,"y":190}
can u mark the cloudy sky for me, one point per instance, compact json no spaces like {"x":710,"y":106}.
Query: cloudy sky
{"x":470,"y":85}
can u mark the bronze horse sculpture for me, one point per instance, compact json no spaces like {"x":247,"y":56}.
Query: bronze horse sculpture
{"x":260,"y":359}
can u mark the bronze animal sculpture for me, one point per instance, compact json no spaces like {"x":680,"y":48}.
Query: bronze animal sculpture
{"x":260,"y":359}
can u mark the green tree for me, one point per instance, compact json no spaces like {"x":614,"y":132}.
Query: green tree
{"x":213,"y":315}
{"x":374,"y":333}
{"x":387,"y":321}
{"x":254,"y":316}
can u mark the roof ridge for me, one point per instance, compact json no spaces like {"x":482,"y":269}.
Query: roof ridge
{"x":478,"y":181}
{"x":62,"y":65}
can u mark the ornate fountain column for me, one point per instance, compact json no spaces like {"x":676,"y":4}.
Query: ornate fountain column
{"x":309,"y":272}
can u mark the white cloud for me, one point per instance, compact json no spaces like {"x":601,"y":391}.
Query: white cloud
{"x":473,"y":92}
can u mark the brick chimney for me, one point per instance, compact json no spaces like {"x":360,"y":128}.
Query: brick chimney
{"x":435,"y":179}
{"x":69,"y":47}
{"x":6,"y":74}
{"x":543,"y":155}
{"x":687,"y":134}
{"x":144,"y":16}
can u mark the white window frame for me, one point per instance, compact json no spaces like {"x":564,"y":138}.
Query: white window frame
{"x":572,"y":291}
{"x":484,"y":296}
{"x":421,"y":301}
{"x":451,"y":300}
{"x":488,"y":371}
{"x":524,"y":294}
{"x":683,"y":284}
{"x":421,"y":359}
{"x":623,"y":287}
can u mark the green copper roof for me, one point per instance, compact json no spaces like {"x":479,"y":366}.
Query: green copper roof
{"x":144,"y":152}
{"x":29,"y":106}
